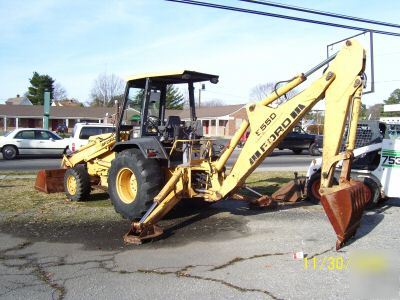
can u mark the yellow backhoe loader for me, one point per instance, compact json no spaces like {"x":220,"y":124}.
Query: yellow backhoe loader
{"x":151,"y":164}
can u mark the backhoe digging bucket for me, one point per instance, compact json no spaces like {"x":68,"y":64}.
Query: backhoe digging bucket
{"x":50,"y":181}
{"x":344,"y":209}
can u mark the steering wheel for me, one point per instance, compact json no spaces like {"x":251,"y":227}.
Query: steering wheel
{"x":153,"y":123}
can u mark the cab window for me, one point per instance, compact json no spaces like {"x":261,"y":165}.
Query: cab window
{"x":42,"y":135}
{"x":26,"y":135}
{"x":54,"y":136}
{"x":133,"y":107}
{"x":87,"y":132}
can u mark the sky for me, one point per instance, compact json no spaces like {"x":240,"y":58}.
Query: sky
{"x":75,"y":41}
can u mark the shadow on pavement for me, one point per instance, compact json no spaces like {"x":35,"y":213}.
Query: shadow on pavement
{"x":186,"y":224}
{"x":373,"y":217}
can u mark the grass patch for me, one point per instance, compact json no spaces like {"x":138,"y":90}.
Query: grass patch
{"x":20,"y":201}
{"x":267,"y":183}
{"x":15,"y":173}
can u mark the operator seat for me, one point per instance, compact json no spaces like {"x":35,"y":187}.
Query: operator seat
{"x":173,"y":131}
{"x":173,"y":127}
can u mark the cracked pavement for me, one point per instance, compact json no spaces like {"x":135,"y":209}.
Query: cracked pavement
{"x":226,"y":251}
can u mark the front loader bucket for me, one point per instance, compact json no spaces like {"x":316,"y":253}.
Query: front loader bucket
{"x":344,"y":209}
{"x":50,"y":181}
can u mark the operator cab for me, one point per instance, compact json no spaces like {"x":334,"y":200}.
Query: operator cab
{"x":144,"y":115}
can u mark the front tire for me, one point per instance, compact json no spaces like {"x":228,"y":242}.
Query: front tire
{"x":133,"y":182}
{"x":372,"y":191}
{"x":9,"y":152}
{"x":313,"y":186}
{"x":77,"y":183}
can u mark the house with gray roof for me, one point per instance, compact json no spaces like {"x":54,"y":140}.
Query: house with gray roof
{"x":18,"y":101}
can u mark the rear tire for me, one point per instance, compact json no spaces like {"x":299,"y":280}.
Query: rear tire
{"x":9,"y":152}
{"x":133,"y":182}
{"x":77,"y":183}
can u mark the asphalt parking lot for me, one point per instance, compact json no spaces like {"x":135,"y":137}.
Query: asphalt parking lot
{"x":279,"y":160}
{"x":225,"y":251}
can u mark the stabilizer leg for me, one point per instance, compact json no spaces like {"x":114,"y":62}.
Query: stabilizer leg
{"x":168,"y":197}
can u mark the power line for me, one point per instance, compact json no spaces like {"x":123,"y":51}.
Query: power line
{"x":388,"y":81}
{"x":262,"y":13}
{"x":322,"y":13}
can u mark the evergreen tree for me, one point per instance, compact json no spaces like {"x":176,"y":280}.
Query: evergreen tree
{"x":394,"y":98}
{"x":40,"y":83}
{"x":174,"y":99}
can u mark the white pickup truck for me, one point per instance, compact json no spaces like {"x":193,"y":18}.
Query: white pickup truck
{"x":82,"y":132}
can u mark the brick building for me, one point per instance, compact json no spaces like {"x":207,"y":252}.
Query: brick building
{"x":14,"y":116}
{"x":216,"y":121}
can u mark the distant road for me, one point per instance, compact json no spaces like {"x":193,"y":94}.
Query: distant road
{"x":279,"y":160}
{"x":29,"y":164}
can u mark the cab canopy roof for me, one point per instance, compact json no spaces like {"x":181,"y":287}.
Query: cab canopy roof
{"x":176,"y":77}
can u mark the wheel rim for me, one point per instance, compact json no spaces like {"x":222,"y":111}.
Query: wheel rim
{"x":9,"y":152}
{"x":71,"y":184}
{"x":315,"y":189}
{"x":126,"y":185}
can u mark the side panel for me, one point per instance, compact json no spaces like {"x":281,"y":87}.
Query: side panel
{"x":389,"y":167}
{"x":144,"y":144}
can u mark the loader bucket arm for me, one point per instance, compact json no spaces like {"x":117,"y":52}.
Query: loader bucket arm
{"x":52,"y":181}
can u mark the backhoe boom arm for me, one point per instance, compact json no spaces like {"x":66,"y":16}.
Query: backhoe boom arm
{"x":269,"y":125}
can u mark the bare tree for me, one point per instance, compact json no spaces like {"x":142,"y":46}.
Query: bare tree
{"x":374,"y":112}
{"x":106,"y":89}
{"x":260,"y":91}
{"x":59,"y":92}
{"x":213,"y":103}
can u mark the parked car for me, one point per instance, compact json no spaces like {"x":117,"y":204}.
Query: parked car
{"x":299,"y":140}
{"x":31,"y":141}
{"x":82,"y":131}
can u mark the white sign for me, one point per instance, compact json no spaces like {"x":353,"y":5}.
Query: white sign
{"x":391,"y":107}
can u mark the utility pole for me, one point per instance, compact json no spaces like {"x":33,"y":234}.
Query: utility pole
{"x":46,"y":109}
{"x":202,"y":88}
